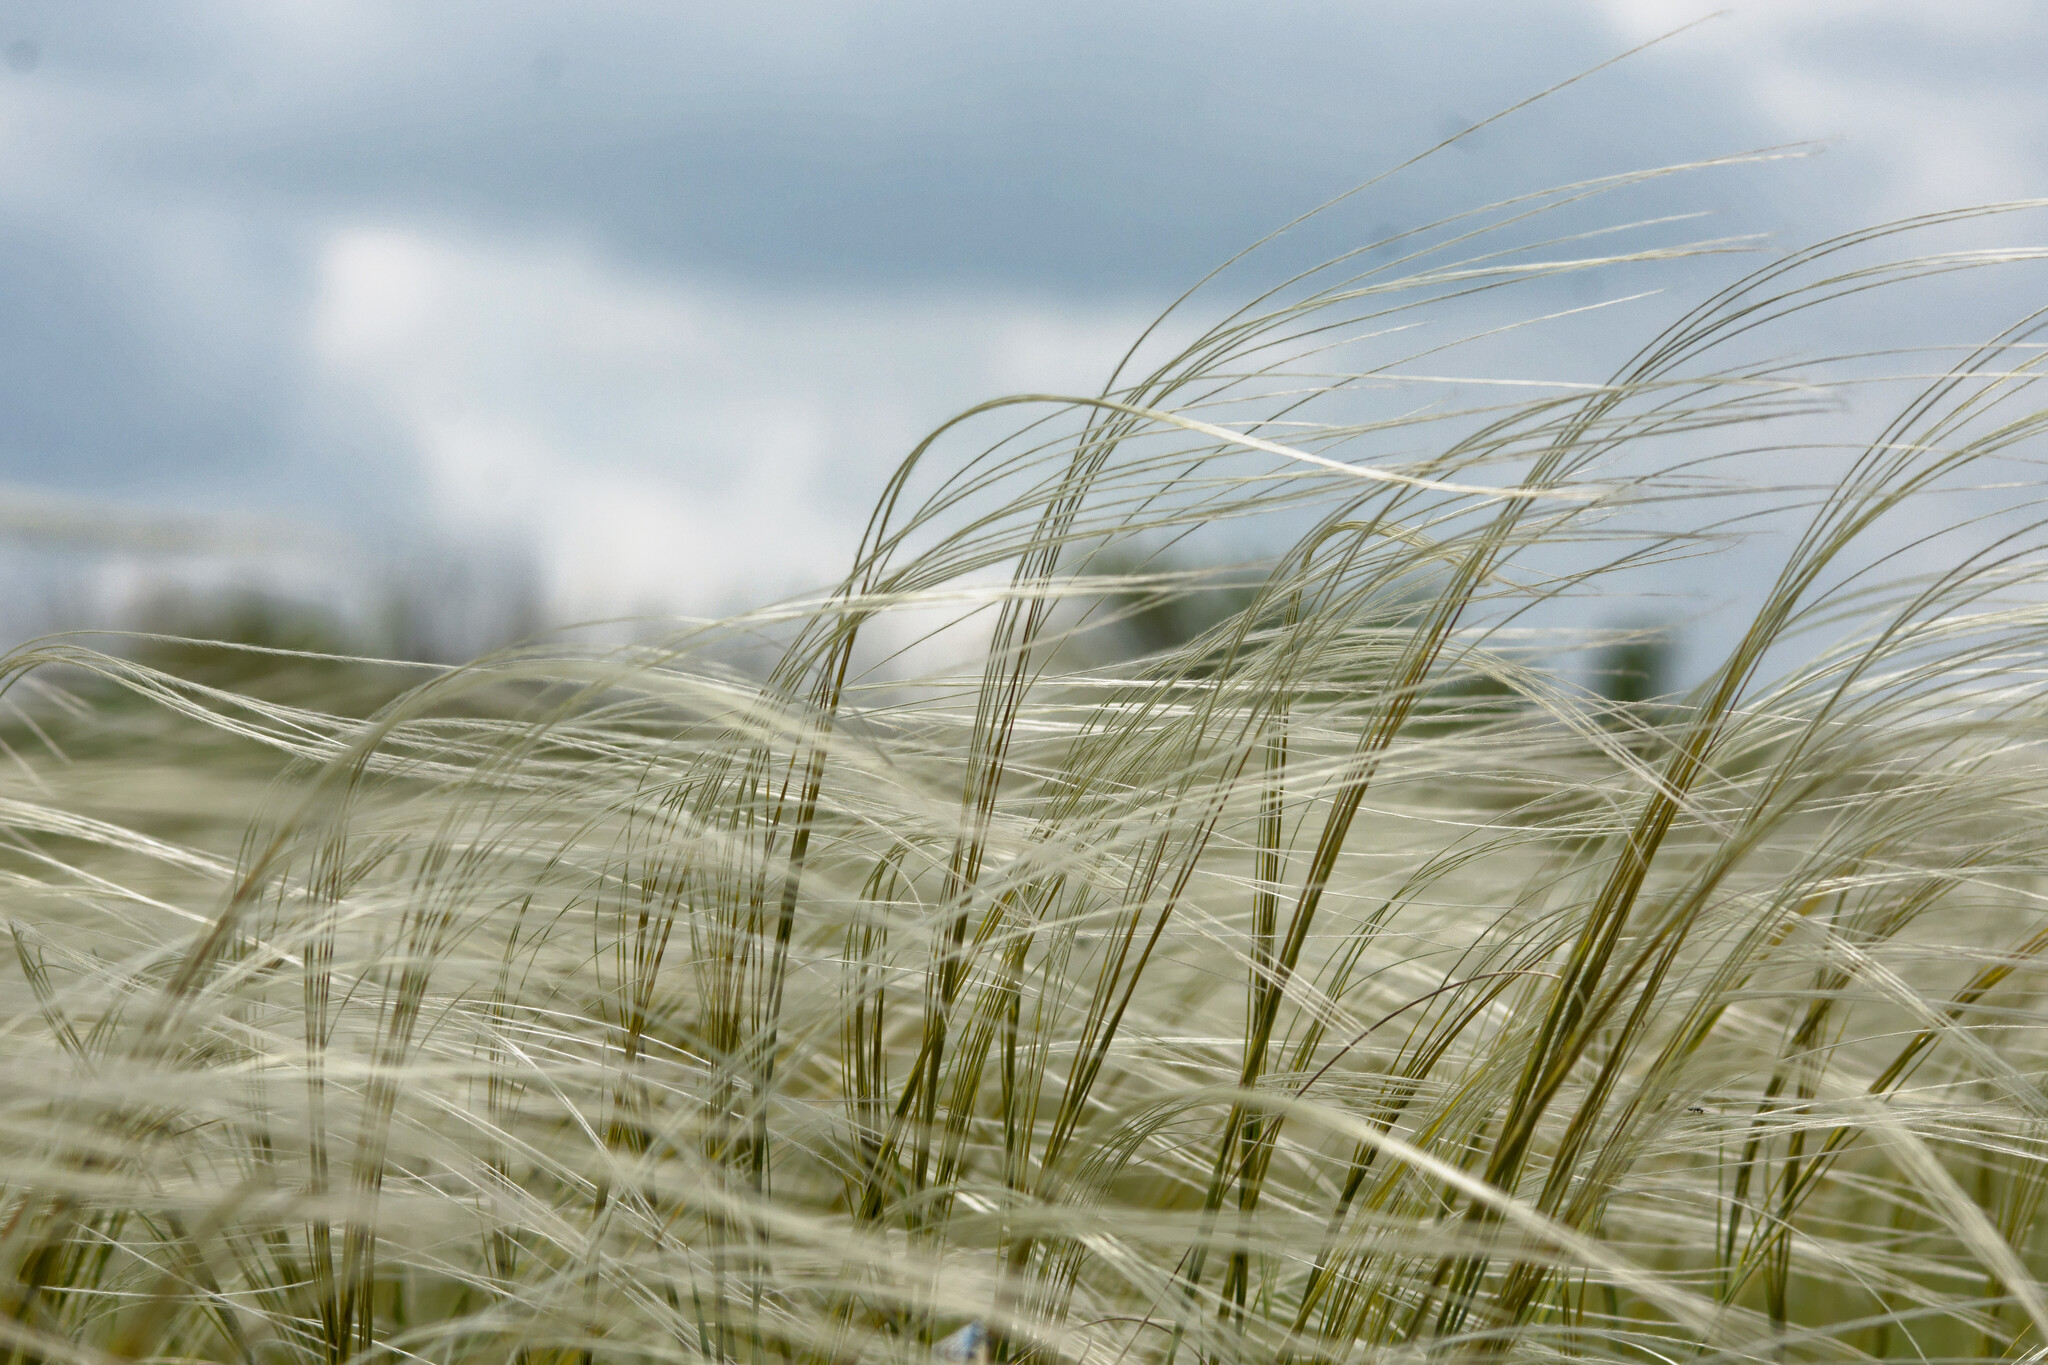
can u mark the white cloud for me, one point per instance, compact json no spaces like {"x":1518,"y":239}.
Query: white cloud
{"x":662,"y":444}
{"x":1925,"y":92}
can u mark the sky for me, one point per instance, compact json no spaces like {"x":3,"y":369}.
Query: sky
{"x":628,"y":307}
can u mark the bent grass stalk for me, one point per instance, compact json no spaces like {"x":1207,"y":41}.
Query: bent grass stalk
{"x":1339,"y":983}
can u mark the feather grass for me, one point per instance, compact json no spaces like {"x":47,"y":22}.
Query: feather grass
{"x":1339,"y":983}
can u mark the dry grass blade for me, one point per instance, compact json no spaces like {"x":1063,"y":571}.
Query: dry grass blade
{"x":1257,"y":949}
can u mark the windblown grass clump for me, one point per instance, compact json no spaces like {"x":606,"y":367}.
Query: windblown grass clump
{"x":1338,"y":982}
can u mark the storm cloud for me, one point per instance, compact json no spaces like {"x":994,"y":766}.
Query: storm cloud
{"x":656,"y":293}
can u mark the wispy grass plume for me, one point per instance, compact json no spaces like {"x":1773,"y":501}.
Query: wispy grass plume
{"x":1323,"y":977}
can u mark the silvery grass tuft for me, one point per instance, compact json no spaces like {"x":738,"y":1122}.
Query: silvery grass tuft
{"x":1340,"y":982}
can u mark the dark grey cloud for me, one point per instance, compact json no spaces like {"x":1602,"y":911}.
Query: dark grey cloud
{"x":1062,"y":145}
{"x":172,"y":179}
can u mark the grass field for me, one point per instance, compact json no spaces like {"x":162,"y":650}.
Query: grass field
{"x":1306,"y":969}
